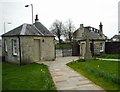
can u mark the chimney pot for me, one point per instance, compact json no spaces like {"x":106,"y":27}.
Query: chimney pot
{"x":100,"y":29}
{"x":36,"y":19}
{"x":81,"y":25}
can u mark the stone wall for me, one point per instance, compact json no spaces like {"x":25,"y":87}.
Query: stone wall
{"x":78,"y":33}
{"x":96,"y":47}
{"x":9,"y":57}
{"x":26,"y":43}
{"x":47,"y":49}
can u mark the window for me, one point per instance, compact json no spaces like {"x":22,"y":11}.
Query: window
{"x":5,"y":45}
{"x":82,"y":34}
{"x":101,"y":47}
{"x":114,"y":39}
{"x":14,"y":44}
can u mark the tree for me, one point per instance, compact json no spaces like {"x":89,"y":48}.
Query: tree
{"x":69,"y":28}
{"x":57,"y":29}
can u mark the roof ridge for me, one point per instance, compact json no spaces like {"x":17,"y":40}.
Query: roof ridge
{"x":23,"y":29}
{"x":38,"y":30}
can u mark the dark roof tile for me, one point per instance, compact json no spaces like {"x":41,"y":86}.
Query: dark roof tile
{"x":43,"y":29}
{"x":13,"y":32}
{"x":37,"y":29}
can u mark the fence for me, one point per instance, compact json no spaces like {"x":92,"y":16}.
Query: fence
{"x":112,"y":47}
{"x":67,"y":49}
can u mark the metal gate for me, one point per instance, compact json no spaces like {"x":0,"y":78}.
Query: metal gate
{"x":66,"y":49}
{"x":112,"y":47}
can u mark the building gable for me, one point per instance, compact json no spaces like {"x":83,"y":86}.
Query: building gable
{"x":94,"y":34}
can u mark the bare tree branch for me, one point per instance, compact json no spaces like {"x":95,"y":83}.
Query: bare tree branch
{"x":69,"y":29}
{"x":57,"y":29}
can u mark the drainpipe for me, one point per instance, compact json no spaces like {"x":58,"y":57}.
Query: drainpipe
{"x":19,"y":50}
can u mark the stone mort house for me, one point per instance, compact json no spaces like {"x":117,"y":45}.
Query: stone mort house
{"x":95,"y":36}
{"x":28,"y":43}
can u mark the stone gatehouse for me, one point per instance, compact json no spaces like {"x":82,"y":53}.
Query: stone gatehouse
{"x":96,"y":39}
{"x":28,"y":43}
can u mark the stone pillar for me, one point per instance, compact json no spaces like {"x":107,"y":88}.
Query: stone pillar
{"x":88,"y":55}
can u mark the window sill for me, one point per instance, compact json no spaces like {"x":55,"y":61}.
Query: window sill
{"x":101,"y":50}
{"x":15,"y":54}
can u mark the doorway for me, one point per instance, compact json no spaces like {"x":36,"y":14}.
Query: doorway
{"x":36,"y":49}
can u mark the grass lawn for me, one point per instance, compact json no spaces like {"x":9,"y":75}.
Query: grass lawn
{"x":27,"y":77}
{"x":102,"y":73}
{"x":110,"y":56}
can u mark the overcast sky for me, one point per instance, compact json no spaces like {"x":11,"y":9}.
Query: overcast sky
{"x":87,"y":12}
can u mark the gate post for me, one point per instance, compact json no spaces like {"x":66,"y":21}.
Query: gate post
{"x":62,"y":50}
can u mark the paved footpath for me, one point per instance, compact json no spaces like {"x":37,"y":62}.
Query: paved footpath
{"x":66,"y":78}
{"x":108,"y":59}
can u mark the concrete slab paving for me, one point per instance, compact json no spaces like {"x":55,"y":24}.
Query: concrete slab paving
{"x":66,"y":78}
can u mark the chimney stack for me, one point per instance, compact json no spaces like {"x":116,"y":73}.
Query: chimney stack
{"x":81,"y":25}
{"x":100,"y":29}
{"x":36,"y":18}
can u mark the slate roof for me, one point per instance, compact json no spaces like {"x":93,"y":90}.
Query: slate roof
{"x":116,"y":36}
{"x":92,"y":35}
{"x":43,"y":29}
{"x":37,"y":29}
{"x":15,"y":31}
{"x":95,"y":36}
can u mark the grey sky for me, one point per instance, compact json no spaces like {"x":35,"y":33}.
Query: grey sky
{"x":119,"y":17}
{"x":88,"y":12}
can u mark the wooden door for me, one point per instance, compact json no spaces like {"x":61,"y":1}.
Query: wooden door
{"x":37,"y":50}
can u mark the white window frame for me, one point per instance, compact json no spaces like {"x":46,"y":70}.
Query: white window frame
{"x":5,"y":45}
{"x":101,"y":47}
{"x":14,"y":47}
{"x":114,"y":39}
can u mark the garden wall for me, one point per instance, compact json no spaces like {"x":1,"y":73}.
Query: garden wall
{"x":112,"y":47}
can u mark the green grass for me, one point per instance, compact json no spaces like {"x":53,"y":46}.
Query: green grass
{"x":27,"y":77}
{"x":110,"y":56}
{"x":103,"y":73}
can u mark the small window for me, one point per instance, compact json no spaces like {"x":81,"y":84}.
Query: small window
{"x":82,"y":34}
{"x":5,"y":45}
{"x":14,"y":44}
{"x":114,"y":39}
{"x":101,"y":47}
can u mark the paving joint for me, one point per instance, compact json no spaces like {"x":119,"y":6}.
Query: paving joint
{"x":65,"y":78}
